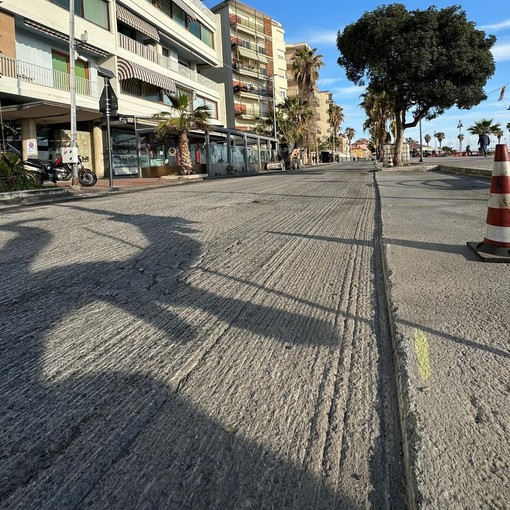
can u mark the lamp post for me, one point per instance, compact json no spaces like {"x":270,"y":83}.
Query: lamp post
{"x":73,"y":159}
{"x":459,"y":127}
{"x":421,"y":145}
{"x":108,"y":105}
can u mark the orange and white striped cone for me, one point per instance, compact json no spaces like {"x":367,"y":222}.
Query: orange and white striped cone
{"x":496,"y":244}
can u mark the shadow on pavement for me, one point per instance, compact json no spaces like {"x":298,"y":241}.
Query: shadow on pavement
{"x":86,"y":424}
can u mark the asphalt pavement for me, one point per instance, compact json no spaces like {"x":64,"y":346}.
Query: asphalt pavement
{"x":450,"y":320}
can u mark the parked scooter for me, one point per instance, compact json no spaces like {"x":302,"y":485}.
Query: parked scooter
{"x":58,"y":171}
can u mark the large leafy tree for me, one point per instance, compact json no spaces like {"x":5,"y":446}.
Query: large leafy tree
{"x":180,"y":121}
{"x":425,"y":60}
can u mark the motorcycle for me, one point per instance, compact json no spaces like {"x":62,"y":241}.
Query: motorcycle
{"x":40,"y":171}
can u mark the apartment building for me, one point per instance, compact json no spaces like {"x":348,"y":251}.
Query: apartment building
{"x":152,"y":47}
{"x":323,"y":125}
{"x":254,"y":70}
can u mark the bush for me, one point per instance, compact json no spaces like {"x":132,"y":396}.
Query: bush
{"x":13,"y":176}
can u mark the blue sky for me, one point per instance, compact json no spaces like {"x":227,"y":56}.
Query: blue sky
{"x":318,"y":22}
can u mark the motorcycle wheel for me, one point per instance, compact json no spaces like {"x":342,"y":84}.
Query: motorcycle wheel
{"x":87,"y":177}
{"x":34,"y":178}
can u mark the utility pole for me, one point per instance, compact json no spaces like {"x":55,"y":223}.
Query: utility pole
{"x":73,"y":157}
{"x":421,"y":145}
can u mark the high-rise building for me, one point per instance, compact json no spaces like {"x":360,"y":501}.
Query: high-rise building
{"x":254,"y":64}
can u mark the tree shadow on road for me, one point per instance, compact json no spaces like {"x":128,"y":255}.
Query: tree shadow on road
{"x":86,"y":424}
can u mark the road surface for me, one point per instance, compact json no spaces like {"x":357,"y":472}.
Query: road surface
{"x":213,"y":346}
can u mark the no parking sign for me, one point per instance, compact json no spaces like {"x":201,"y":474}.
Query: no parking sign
{"x":32,"y":148}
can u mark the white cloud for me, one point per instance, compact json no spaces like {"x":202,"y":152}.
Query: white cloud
{"x":354,"y":90}
{"x":326,"y":82}
{"x":501,"y":52}
{"x":322,"y":37}
{"x":496,"y":26}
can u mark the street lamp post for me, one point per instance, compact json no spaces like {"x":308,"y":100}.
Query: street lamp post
{"x":459,"y":127}
{"x":72,"y":89}
{"x":421,"y":145}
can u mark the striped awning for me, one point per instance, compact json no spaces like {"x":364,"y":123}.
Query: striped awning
{"x":127,"y":70}
{"x":131,"y":19}
{"x":186,"y":8}
{"x":64,"y":37}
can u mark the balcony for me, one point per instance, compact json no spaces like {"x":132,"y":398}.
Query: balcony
{"x":248,"y":88}
{"x":149,"y":54}
{"x":37,"y":75}
{"x":250,"y":111}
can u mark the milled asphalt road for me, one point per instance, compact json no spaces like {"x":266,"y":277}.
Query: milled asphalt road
{"x":226,"y":345}
{"x":214,"y":346}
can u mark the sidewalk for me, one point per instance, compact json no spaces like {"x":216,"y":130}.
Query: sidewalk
{"x":451,"y":338}
{"x":63,"y":190}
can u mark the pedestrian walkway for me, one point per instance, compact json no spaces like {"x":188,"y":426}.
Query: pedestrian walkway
{"x":451,"y":323}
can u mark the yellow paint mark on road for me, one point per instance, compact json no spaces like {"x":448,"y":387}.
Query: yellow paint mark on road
{"x":421,"y":346}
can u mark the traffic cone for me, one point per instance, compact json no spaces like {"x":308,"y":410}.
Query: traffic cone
{"x":496,"y":243}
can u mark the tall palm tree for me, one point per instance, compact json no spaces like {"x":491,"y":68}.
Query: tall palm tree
{"x":427,"y":139}
{"x":498,"y":133}
{"x":336,"y":117}
{"x":379,"y":114}
{"x":483,"y":127}
{"x":350,"y":134}
{"x":460,"y":137}
{"x":440,"y":137}
{"x":180,"y":121}
{"x":305,"y":67}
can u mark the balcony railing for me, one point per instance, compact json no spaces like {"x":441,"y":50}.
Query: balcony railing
{"x":236,"y":20}
{"x":30,"y":73}
{"x":250,"y":89}
{"x":149,"y":54}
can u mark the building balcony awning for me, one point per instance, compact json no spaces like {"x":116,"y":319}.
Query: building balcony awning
{"x":186,"y":8}
{"x":64,"y":37}
{"x":134,"y":21}
{"x":246,"y":53}
{"x":262,"y":58}
{"x":127,"y":70}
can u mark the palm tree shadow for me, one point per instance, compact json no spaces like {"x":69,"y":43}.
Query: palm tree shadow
{"x":85,"y":426}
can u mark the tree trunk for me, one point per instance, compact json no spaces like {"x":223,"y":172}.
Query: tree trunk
{"x":397,"y":158}
{"x":185,"y":156}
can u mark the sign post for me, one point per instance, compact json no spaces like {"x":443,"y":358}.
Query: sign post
{"x":108,"y":105}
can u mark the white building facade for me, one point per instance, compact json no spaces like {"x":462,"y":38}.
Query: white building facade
{"x":153,"y":48}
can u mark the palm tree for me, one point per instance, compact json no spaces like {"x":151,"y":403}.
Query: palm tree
{"x":350,"y":133}
{"x":440,"y":137}
{"x":336,"y":117}
{"x":498,"y":133}
{"x":460,"y":137}
{"x":427,"y":139}
{"x":379,"y":114}
{"x":305,"y":67}
{"x":179,"y":122}
{"x":483,"y":127}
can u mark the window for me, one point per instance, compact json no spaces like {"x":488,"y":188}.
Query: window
{"x":207,"y":37}
{"x":281,"y":54}
{"x":194,"y":28}
{"x":95,"y":11}
{"x":203,"y":101}
{"x":178,"y":15}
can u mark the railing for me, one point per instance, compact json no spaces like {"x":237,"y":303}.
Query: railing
{"x":236,"y":20}
{"x":149,"y":54}
{"x":242,"y":110}
{"x":30,"y":73}
{"x":250,"y":89}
